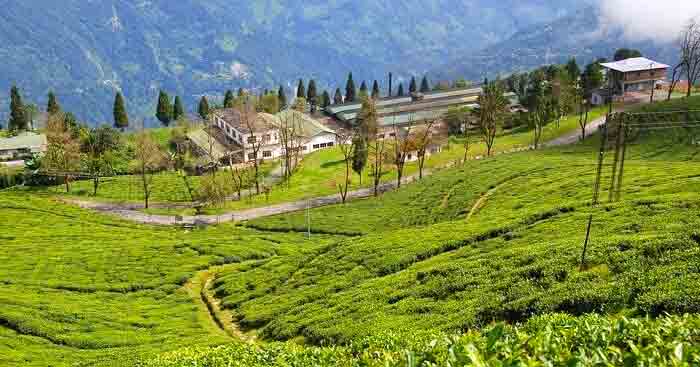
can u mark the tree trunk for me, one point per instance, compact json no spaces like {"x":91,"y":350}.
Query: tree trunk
{"x":66,"y":181}
{"x":421,"y":163}
{"x":399,"y":175}
{"x":257,"y":180}
{"x":95,"y":185}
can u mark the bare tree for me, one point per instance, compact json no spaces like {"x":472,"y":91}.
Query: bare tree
{"x":690,"y":52}
{"x":346,"y":144}
{"x":254,"y":142}
{"x":290,"y":134}
{"x":378,"y":156}
{"x":403,"y":145}
{"x":675,"y":78}
{"x":490,"y":114}
{"x":149,"y":159}
{"x":423,"y":138}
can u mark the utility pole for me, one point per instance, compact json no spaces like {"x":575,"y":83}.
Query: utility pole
{"x":653,"y":83}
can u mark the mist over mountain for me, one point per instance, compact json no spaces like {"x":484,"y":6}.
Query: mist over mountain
{"x":85,"y":50}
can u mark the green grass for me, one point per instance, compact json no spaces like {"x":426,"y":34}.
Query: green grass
{"x":497,"y":240}
{"x":556,"y":340}
{"x":79,"y":288}
{"x":320,"y":173}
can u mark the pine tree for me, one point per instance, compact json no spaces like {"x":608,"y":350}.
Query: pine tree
{"x":178,"y":109}
{"x":241,"y":92}
{"x":400,"y":93}
{"x":350,"y":90}
{"x":18,"y":118}
{"x":338,"y":97}
{"x":363,"y":90}
{"x":53,"y":107}
{"x":121,"y":119}
{"x":573,"y":70}
{"x":326,"y":99}
{"x":203,"y":108}
{"x":282,"y":97}
{"x":311,"y":92}
{"x":413,"y":87}
{"x":228,"y":99}
{"x":375,"y":90}
{"x":424,"y":85}
{"x":301,"y":90}
{"x":164,"y":111}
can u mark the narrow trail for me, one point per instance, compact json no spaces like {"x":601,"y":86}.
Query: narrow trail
{"x":132,"y":211}
{"x":200,"y":289}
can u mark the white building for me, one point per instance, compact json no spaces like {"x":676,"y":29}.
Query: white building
{"x":257,"y":131}
{"x":22,"y":146}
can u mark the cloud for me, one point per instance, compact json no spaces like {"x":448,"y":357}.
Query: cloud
{"x":656,"y":20}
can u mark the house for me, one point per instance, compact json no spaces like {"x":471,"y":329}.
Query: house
{"x":255,"y":133}
{"x":22,"y":146}
{"x":309,"y":135}
{"x":637,"y":74}
{"x":241,"y":134}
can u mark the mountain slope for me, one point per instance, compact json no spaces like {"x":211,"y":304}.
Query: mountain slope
{"x":85,"y":50}
{"x":580,"y":34}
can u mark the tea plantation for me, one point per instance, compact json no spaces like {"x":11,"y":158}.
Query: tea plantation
{"x":475,"y":265}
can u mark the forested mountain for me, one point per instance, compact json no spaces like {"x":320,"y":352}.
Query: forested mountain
{"x":582,"y":34}
{"x":87,"y":49}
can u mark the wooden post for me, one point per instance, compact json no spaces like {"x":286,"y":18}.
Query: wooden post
{"x":622,"y":160}
{"x":585,"y":243}
{"x":616,"y":161}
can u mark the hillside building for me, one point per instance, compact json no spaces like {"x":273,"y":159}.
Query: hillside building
{"x":631,"y":77}
{"x":245,"y":136}
{"x":22,"y":146}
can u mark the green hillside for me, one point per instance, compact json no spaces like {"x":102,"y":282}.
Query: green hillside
{"x":475,"y":265}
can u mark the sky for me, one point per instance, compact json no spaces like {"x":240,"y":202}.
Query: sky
{"x":656,"y":20}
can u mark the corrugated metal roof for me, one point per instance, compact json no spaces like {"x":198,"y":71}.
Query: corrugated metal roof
{"x":634,"y":64}
{"x":307,"y":126}
{"x":27,"y":140}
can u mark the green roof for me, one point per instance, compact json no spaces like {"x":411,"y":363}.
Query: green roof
{"x":30,"y":141}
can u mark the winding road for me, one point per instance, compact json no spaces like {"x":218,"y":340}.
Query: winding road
{"x":132,"y":212}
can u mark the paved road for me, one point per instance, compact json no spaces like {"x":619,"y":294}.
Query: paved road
{"x":131,"y":211}
{"x":575,"y":136}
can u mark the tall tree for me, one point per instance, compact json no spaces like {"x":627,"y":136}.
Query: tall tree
{"x":203,"y":108}
{"x":359,"y":155}
{"x":413,"y":87}
{"x":375,"y":90}
{"x":400,"y":93}
{"x":62,"y":158}
{"x":149,"y":159}
{"x":690,"y":53}
{"x":121,"y":118}
{"x":164,"y":111}
{"x":626,"y":53}
{"x":364,"y":90}
{"x":350,"y":90}
{"x":228,"y":99}
{"x":311,"y":95}
{"x":18,"y":117}
{"x":52,"y":107}
{"x":301,"y":90}
{"x":424,"y":85}
{"x":241,"y":92}
{"x":98,"y":145}
{"x":178,"y":109}
{"x":346,"y":145}
{"x":338,"y":97}
{"x":492,"y":109}
{"x":282,"y":97}
{"x":572,"y":69}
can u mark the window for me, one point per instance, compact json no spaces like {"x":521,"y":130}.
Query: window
{"x":315,"y":146}
{"x":267,"y":138}
{"x":304,"y":147}
{"x":392,"y":135}
{"x":252,"y":139}
{"x":410,"y":156}
{"x":323,"y":145}
{"x":251,"y":156}
{"x":380,"y":136}
{"x":330,"y":144}
{"x":267,"y":154}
